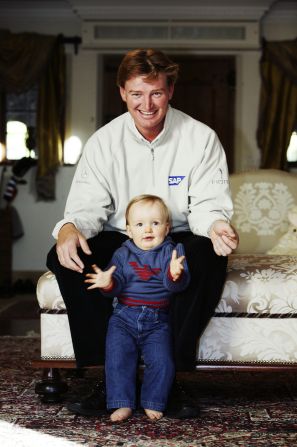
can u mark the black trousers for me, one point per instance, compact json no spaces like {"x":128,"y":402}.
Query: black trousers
{"x":89,"y":311}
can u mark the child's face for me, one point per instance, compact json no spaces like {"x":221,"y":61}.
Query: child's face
{"x":147,"y":226}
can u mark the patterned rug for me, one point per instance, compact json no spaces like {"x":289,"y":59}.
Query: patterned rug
{"x":237,"y":409}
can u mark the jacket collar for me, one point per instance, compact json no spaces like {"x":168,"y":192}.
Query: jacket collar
{"x":158,"y":140}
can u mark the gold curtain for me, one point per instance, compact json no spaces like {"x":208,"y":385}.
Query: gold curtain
{"x":27,"y":59}
{"x":51,"y":122}
{"x":278,"y":102}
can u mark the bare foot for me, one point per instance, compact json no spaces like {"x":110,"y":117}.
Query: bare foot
{"x":121,"y":414}
{"x":153,"y":415}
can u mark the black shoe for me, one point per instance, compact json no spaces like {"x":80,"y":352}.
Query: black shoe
{"x":92,"y":405}
{"x":180,"y":404}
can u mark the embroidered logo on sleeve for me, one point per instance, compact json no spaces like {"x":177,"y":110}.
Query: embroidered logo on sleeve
{"x":220,"y":180}
{"x":174,"y":180}
{"x":145,"y":273}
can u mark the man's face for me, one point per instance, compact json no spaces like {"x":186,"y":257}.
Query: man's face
{"x":147,"y":226}
{"x":147,"y":102}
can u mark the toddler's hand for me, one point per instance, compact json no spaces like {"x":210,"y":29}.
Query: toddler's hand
{"x":176,"y":265}
{"x":100,"y":279}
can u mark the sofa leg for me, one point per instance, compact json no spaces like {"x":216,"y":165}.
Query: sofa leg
{"x":51,"y":388}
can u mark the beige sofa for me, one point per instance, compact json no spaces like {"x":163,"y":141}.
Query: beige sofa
{"x":255,"y":323}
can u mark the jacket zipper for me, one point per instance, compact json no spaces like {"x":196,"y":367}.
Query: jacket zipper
{"x":153,"y":165}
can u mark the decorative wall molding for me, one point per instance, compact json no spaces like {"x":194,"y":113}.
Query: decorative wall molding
{"x":183,"y":12}
{"x":76,"y":11}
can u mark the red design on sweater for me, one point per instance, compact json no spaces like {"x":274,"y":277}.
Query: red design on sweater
{"x":145,"y":273}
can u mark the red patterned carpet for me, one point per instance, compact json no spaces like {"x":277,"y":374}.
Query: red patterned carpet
{"x":237,"y":409}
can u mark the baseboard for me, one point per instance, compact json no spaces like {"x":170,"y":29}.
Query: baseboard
{"x":23,"y":275}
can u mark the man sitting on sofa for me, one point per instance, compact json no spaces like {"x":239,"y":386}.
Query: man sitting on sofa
{"x":152,"y":149}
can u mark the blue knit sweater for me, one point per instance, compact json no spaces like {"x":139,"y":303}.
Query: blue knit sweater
{"x":142,"y":277}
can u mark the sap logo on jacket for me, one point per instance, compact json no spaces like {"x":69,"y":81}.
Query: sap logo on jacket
{"x":174,"y":180}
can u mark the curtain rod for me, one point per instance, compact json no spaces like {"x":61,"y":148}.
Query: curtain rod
{"x":74,"y":40}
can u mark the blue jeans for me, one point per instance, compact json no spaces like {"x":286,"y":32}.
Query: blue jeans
{"x":133,"y":331}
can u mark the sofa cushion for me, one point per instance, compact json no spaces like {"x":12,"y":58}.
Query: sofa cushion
{"x":262,"y":199}
{"x":260,"y":284}
{"x":287,"y":244}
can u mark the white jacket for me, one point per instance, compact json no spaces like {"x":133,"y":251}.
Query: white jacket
{"x":185,"y":165}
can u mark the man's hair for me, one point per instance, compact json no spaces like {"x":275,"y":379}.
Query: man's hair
{"x":146,"y":62}
{"x":148,"y":198}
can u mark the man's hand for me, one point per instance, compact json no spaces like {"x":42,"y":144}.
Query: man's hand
{"x":69,"y":238}
{"x":176,"y":265}
{"x":223,"y":237}
{"x":100,"y":279}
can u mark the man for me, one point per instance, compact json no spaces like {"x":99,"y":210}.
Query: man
{"x":151,"y":149}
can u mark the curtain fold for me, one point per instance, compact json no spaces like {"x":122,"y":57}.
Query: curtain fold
{"x":51,"y":122}
{"x":278,"y":102}
{"x":27,"y":59}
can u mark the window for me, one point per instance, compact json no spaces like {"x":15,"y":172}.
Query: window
{"x":292,"y":148}
{"x":21,"y":114}
{"x":16,"y":136}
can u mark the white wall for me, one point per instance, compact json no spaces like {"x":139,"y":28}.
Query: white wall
{"x":38,"y":218}
{"x":247,"y":155}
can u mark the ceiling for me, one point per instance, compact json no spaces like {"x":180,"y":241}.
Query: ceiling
{"x":150,"y":9}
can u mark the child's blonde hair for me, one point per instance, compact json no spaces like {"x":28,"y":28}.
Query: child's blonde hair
{"x":148,"y":198}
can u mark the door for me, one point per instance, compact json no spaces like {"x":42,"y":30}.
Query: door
{"x":205,"y":90}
